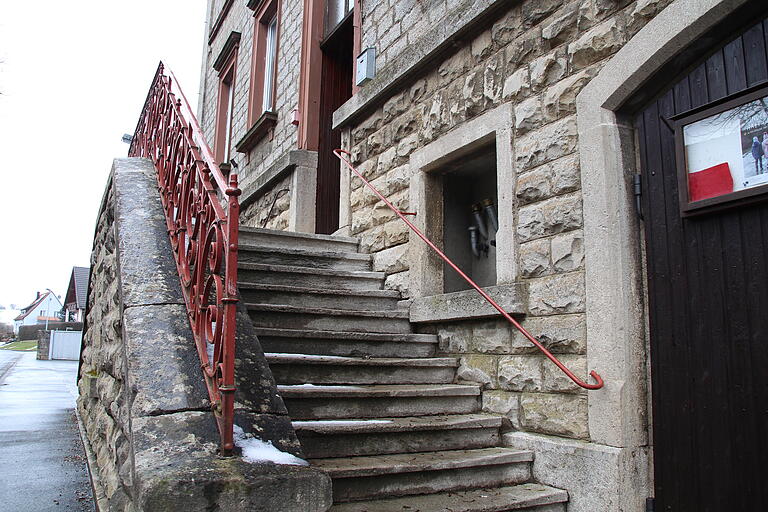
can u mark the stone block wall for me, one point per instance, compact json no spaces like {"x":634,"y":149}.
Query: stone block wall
{"x":284,"y":137}
{"x":148,"y":428}
{"x":536,"y":56}
{"x":272,"y":210}
{"x":103,"y":404}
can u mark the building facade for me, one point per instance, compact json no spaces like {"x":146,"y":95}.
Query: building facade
{"x":514,"y":130}
{"x":77,"y":291}
{"x":45,"y":308}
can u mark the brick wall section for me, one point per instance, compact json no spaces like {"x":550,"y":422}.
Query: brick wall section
{"x":538,"y":56}
{"x":264,"y":154}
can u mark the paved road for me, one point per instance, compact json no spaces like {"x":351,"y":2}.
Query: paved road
{"x":42,"y":464}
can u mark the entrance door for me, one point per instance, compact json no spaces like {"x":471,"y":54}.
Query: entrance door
{"x":708,"y":308}
{"x":335,"y":89}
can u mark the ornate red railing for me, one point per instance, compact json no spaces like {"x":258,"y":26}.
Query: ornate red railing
{"x":598,"y":380}
{"x":202,"y":212}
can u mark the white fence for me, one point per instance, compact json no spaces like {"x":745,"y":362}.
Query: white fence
{"x":65,"y":345}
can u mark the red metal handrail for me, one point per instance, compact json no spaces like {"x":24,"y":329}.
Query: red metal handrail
{"x":202,"y":214}
{"x":529,"y":336}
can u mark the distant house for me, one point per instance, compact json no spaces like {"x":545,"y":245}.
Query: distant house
{"x":45,"y":308}
{"x":74,"y":300}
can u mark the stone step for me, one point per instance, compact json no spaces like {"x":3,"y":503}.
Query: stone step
{"x":343,"y":438}
{"x":380,"y":300}
{"x":527,"y":497}
{"x":312,"y":402}
{"x":353,"y":344}
{"x":273,"y":238}
{"x":269,"y":315}
{"x":309,"y":277}
{"x":317,"y":369}
{"x":292,"y":256}
{"x":380,"y":476}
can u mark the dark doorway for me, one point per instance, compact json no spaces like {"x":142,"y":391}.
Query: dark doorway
{"x":335,"y":89}
{"x":708,"y":307}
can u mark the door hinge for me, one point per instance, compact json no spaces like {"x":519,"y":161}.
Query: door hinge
{"x":638,"y":192}
{"x":650,"y":504}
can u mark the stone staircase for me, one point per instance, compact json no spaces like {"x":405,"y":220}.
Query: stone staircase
{"x":371,"y":403}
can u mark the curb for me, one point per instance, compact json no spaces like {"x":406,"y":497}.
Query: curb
{"x":100,"y":501}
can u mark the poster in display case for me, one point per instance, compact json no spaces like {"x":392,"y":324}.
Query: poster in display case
{"x":722,"y":153}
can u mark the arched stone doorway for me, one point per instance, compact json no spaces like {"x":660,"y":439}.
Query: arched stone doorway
{"x":616,"y":317}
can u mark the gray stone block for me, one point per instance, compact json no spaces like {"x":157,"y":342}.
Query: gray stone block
{"x":147,"y":270}
{"x":165,"y":373}
{"x":178,"y":469}
{"x":469,"y":304}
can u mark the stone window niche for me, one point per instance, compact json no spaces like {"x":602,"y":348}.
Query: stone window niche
{"x":466,"y":183}
{"x":470,"y":163}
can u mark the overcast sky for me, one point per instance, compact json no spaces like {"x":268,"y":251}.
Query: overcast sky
{"x":73,"y":79}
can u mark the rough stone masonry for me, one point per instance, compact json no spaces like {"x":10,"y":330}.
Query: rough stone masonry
{"x":536,"y":57}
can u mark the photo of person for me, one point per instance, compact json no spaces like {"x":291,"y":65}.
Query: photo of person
{"x":753,"y":118}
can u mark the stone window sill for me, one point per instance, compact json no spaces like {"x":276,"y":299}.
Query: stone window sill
{"x":468,"y":304}
{"x":263,"y":125}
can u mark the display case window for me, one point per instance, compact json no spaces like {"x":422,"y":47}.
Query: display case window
{"x":722,"y":153}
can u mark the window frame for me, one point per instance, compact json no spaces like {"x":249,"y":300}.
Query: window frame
{"x":737,"y":198}
{"x":226,"y":66}
{"x":264,"y":15}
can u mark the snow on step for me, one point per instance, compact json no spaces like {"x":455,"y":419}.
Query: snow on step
{"x":256,"y":450}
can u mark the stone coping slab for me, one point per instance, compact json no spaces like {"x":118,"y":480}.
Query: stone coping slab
{"x":470,"y":304}
{"x":260,"y":184}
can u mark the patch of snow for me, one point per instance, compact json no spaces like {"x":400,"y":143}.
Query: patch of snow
{"x":306,"y":356}
{"x":256,"y":450}
{"x":342,"y":423}
{"x":320,"y":386}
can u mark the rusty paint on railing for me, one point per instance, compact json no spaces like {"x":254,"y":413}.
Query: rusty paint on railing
{"x":202,"y":213}
{"x":598,"y":380}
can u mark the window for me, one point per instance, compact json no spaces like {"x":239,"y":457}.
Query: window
{"x":335,"y":12}
{"x":268,"y":103}
{"x":261,"y":99}
{"x":227,"y":92}
{"x":226,"y":65}
{"x":721,"y":153}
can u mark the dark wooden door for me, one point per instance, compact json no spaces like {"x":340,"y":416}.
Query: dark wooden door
{"x":708,"y":307}
{"x":335,"y":89}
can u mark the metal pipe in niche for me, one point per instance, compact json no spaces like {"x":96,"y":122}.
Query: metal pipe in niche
{"x":485,"y":226}
{"x":490,"y":213}
{"x":479,"y":221}
{"x":474,"y":242}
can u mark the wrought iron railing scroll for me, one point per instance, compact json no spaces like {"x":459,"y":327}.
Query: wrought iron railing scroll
{"x":202,"y":212}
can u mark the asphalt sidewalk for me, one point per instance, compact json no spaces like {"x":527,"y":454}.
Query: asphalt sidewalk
{"x":42,"y":463}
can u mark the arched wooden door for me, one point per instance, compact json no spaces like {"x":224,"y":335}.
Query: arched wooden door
{"x":708,"y":304}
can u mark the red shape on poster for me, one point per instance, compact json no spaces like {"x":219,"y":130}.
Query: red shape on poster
{"x":710,"y":182}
